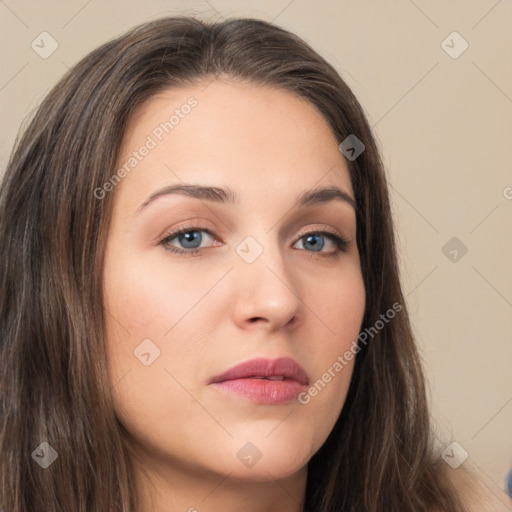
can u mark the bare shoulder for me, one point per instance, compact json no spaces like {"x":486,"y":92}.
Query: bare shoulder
{"x":478,"y":493}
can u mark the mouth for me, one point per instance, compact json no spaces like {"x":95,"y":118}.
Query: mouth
{"x":264,"y":381}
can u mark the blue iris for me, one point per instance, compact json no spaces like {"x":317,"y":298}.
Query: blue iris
{"x":190,"y":237}
{"x":317,"y":246}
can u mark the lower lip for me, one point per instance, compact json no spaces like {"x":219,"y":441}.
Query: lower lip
{"x":262,"y":391}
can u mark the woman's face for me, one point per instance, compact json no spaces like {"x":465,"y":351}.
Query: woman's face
{"x":257,"y":274}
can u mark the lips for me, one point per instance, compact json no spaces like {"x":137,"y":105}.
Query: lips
{"x":280,"y":369}
{"x":264,"y":381}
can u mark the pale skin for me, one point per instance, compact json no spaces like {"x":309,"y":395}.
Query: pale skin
{"x":210,"y":311}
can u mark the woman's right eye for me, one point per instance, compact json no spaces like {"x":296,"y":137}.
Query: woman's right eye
{"x":189,"y":237}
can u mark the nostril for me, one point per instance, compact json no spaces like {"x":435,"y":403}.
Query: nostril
{"x":257,"y":319}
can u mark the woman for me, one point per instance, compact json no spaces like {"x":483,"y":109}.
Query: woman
{"x":201,"y":307}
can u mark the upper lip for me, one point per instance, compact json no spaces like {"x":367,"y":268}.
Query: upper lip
{"x":261,"y":367}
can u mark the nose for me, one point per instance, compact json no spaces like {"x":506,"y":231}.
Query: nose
{"x":267,"y":291}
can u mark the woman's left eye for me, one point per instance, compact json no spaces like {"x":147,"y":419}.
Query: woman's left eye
{"x":316,"y":240}
{"x":191,"y":238}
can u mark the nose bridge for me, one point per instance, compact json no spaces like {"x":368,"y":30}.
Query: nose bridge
{"x":267,"y":287}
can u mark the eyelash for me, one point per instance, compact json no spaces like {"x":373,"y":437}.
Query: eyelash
{"x":339,"y":240}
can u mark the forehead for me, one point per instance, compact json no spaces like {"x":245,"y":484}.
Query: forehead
{"x":252,"y":138}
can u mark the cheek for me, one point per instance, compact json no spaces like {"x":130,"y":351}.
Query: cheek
{"x":344,"y":305}
{"x":150,"y":295}
{"x":339,"y":309}
{"x":337,"y":305}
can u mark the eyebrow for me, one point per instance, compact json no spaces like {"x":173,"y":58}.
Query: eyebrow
{"x":226,"y":195}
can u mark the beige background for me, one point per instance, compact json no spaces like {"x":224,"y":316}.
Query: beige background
{"x":445,"y":129}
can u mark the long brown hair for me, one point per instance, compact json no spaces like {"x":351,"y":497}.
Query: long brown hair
{"x":53,"y":377}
